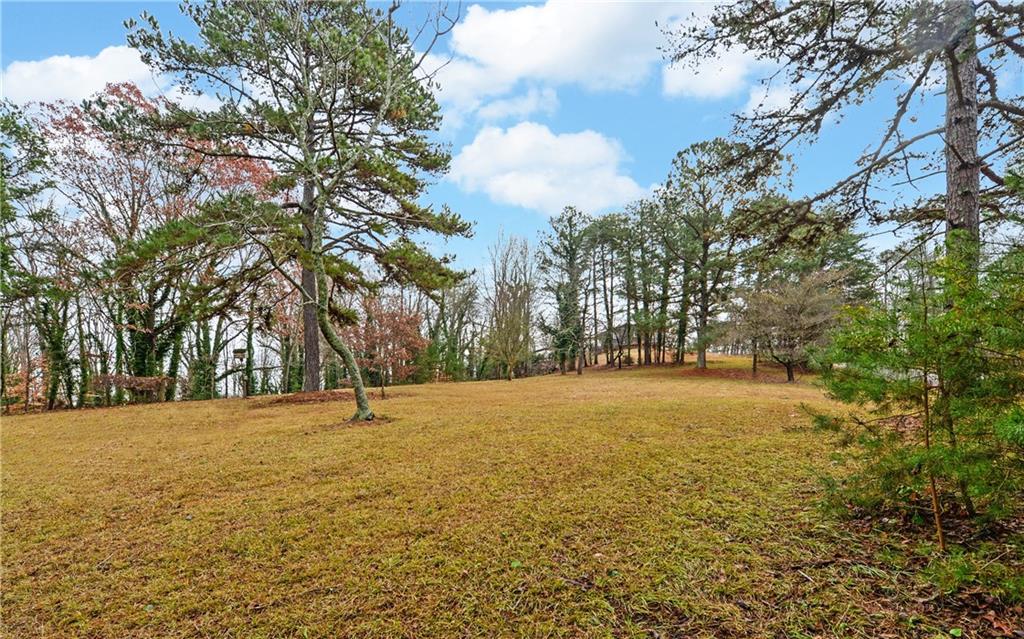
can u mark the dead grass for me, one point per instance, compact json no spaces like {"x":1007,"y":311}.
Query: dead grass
{"x":632,"y":503}
{"x":317,"y":397}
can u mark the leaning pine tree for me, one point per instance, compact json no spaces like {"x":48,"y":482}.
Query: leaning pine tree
{"x":332,"y":95}
{"x":831,"y":56}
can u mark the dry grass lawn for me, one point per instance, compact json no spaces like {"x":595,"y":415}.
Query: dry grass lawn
{"x":623,"y":503}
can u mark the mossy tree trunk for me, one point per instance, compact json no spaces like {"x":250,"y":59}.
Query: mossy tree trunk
{"x":171,"y":392}
{"x":83,"y":356}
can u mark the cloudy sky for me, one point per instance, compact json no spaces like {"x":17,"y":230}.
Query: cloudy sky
{"x":545,"y":104}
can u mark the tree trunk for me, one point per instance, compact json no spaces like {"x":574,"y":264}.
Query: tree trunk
{"x":629,"y":332}
{"x":119,"y":355}
{"x":310,"y":335}
{"x":639,"y":334}
{"x":69,"y":383}
{"x":702,"y":348}
{"x":172,"y":368}
{"x":83,"y":357}
{"x":581,"y":333}
{"x":608,"y":309}
{"x":286,"y":364}
{"x":105,"y":370}
{"x":310,"y":331}
{"x":3,"y":363}
{"x":962,"y":165}
{"x":962,"y":179}
{"x":681,"y":338}
{"x":28,"y":367}
{"x":593,"y":288}
{"x":704,"y":307}
{"x":649,"y":324}
{"x":249,"y":385}
{"x":702,"y":326}
{"x":363,"y":412}
{"x":789,"y":372}
{"x":684,"y":312}
{"x":666,"y":274}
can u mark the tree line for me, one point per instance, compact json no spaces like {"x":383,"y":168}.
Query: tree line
{"x":129,"y":277}
{"x":158,"y":252}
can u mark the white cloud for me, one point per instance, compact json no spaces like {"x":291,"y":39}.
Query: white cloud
{"x":598,"y":46}
{"x":529,"y":166}
{"x":727,"y":75}
{"x":74,"y":78}
{"x":765,"y":99}
{"x":463,"y":82}
{"x":534,"y":101}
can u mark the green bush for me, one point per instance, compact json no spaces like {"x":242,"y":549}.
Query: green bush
{"x":937,"y":379}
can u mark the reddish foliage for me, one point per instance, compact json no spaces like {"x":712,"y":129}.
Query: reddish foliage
{"x":388,"y":337}
{"x":122,"y":185}
{"x":35,"y":378}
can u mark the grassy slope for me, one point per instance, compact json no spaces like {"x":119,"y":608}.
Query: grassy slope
{"x":620,"y":503}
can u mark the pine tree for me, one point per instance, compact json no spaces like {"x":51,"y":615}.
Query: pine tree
{"x":711,"y":195}
{"x":944,"y":385}
{"x":332,"y":96}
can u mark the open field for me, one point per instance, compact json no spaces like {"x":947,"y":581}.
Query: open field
{"x":623,"y":503}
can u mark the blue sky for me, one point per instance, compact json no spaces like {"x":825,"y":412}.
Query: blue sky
{"x":545,"y":104}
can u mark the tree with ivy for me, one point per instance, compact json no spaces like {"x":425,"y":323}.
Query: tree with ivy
{"x":128,"y":206}
{"x":37,"y":274}
{"x":23,"y":155}
{"x":563,"y":264}
{"x":451,"y":330}
{"x":332,"y":374}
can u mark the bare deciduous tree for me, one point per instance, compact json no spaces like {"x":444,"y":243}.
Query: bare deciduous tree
{"x":790,"y":317}
{"x":509,"y":298}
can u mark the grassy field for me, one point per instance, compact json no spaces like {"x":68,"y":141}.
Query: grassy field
{"x":654,"y":503}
